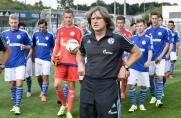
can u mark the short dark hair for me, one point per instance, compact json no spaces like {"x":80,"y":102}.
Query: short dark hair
{"x":103,"y":11}
{"x":21,"y":24}
{"x":155,"y":13}
{"x":140,"y":21}
{"x":42,"y":21}
{"x":68,"y":11}
{"x":132,"y":24}
{"x":160,"y":16}
{"x":120,"y":18}
{"x":171,"y":21}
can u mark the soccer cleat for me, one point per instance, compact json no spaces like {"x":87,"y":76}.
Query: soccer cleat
{"x":142,"y":107}
{"x":133,"y":108}
{"x":17,"y":111}
{"x":153,"y":100}
{"x":61,"y":111}
{"x":69,"y":115}
{"x":159,"y":103}
{"x":13,"y":109}
{"x":28,"y":94}
{"x":43,"y":99}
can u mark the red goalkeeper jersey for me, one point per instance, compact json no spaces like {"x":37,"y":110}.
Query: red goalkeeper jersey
{"x":63,"y":35}
{"x":125,"y":32}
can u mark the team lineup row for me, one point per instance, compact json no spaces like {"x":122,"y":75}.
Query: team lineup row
{"x":107,"y":57}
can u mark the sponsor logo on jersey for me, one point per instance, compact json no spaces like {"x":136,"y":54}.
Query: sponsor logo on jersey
{"x":106,"y":52}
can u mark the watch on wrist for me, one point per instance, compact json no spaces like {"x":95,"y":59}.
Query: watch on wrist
{"x":126,"y":67}
{"x":2,"y":66}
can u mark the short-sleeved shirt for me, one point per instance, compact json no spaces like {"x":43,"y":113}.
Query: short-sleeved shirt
{"x":63,"y":35}
{"x":159,"y":37}
{"x":145,"y":44}
{"x":176,"y":38}
{"x":14,"y":40}
{"x":103,"y":56}
{"x":43,"y":43}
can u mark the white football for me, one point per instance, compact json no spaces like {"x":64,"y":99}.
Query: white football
{"x":71,"y":45}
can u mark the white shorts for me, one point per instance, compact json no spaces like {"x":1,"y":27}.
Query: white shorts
{"x":167,"y":65}
{"x":13,"y":74}
{"x":42,"y":67}
{"x":173,"y":56}
{"x":28,"y":68}
{"x":158,"y":69}
{"x":139,"y":78}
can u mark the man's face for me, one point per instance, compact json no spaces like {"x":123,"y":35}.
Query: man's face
{"x":68,"y":19}
{"x":13,"y":24}
{"x":97,"y":22}
{"x":160,"y":21}
{"x":42,"y":28}
{"x":154,"y":20}
{"x":140,"y":27}
{"x":120,"y":24}
{"x":171,"y":26}
{"x":22,"y":27}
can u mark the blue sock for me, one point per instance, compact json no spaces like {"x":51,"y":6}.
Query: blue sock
{"x":152,"y":87}
{"x":159,"y":89}
{"x":132,"y":93}
{"x":164,"y":80}
{"x":19,"y":94}
{"x":65,"y":90}
{"x":13,"y":94}
{"x":142,"y":96}
{"x":28,"y":82}
{"x":44,"y":89}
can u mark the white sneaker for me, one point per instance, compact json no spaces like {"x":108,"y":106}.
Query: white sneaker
{"x":61,"y":111}
{"x":69,"y":115}
{"x":159,"y":103}
{"x":133,"y":108}
{"x":17,"y":111}
{"x":13,"y":109}
{"x":28,"y":94}
{"x":142,"y":107}
{"x":153,"y":100}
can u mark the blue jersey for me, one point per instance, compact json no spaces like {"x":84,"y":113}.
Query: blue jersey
{"x":145,"y":44}
{"x":15,"y":39}
{"x":159,"y":37}
{"x":175,"y":37}
{"x":43,"y":43}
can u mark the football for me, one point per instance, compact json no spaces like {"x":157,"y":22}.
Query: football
{"x":72,"y":46}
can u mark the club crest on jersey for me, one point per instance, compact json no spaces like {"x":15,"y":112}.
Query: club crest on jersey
{"x":18,"y":36}
{"x":143,"y":42}
{"x":111,"y":41}
{"x":46,"y":37}
{"x":159,"y":33}
{"x":72,"y":33}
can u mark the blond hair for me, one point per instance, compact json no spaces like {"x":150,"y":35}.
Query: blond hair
{"x":13,"y":16}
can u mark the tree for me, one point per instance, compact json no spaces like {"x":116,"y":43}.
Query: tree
{"x":65,"y":3}
{"x":39,"y":4}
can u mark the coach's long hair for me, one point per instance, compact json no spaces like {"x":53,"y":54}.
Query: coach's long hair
{"x":105,"y":15}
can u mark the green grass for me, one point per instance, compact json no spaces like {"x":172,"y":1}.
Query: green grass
{"x":33,"y":108}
